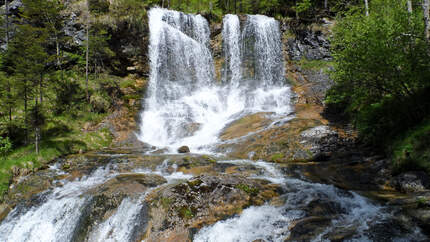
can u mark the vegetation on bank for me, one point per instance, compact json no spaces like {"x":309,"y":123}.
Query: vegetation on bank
{"x":382,"y":73}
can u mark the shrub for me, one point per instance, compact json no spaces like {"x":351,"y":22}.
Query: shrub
{"x":5,"y":146}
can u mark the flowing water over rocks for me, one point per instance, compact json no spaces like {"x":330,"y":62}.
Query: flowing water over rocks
{"x":186,"y":105}
{"x":223,"y":190}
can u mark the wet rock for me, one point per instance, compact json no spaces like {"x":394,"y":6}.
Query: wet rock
{"x":177,"y":209}
{"x":415,"y":181}
{"x":149,"y":180}
{"x":312,"y":45}
{"x":386,"y":228}
{"x":341,"y":234}
{"x":4,"y":211}
{"x":28,"y":187}
{"x":422,"y":218}
{"x":245,"y":125}
{"x":323,"y":208}
{"x":128,"y":184}
{"x":184,"y":149}
{"x":307,"y":228}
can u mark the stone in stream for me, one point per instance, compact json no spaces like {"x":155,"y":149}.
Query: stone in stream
{"x":184,"y":149}
{"x":416,"y":181}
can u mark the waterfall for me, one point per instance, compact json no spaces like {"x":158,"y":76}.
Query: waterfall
{"x":58,"y":215}
{"x":262,"y":51}
{"x":185,"y":105}
{"x":231,"y":39}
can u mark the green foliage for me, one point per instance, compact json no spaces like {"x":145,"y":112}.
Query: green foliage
{"x":277,"y":157}
{"x":98,"y":6}
{"x":186,"y":212}
{"x":411,"y":151}
{"x":5,"y":146}
{"x":382,"y":70}
{"x":250,"y":190}
{"x":303,"y":6}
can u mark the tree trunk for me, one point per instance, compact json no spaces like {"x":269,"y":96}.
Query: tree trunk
{"x":257,"y":5}
{"x":235,"y":4}
{"x":426,"y":19}
{"x":87,"y":61}
{"x":168,"y":4}
{"x":37,"y":129}
{"x":25,"y":115}
{"x":41,"y":89}
{"x":366,"y":5}
{"x":410,"y":6}
{"x":9,"y":90}
{"x":325,"y":4}
{"x":297,"y":13}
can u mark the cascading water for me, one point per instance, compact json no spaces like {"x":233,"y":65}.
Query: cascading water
{"x":185,"y":104}
{"x":58,"y":215}
{"x":231,"y":49}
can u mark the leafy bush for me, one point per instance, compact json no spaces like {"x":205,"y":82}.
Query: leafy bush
{"x":382,"y":68}
{"x":5,"y":146}
{"x":411,"y":151}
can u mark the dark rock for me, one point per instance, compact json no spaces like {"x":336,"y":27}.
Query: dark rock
{"x":324,"y":208}
{"x":184,"y":149}
{"x":149,"y":180}
{"x":415,"y":181}
{"x":308,"y":228}
{"x":340,"y":234}
{"x":312,"y":45}
{"x":4,"y":211}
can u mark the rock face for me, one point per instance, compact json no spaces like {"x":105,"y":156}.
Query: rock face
{"x":312,"y":45}
{"x":184,"y":149}
{"x":417,"y":181}
{"x":178,"y":211}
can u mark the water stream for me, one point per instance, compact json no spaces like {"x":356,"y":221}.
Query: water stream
{"x":186,"y":105}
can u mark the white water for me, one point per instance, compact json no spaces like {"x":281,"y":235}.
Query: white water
{"x":187,"y":106}
{"x":183,"y":95}
{"x":121,"y":225}
{"x":231,"y":49}
{"x":55,"y":219}
{"x":272,"y":223}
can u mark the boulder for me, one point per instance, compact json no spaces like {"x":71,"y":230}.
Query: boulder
{"x":308,"y":228}
{"x":184,"y":149}
{"x":415,"y":181}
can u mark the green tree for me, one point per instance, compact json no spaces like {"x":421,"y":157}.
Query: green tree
{"x":5,"y":146}
{"x":382,"y":69}
{"x":27,"y":59}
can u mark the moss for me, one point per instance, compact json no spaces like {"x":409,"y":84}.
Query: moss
{"x":194,"y":183}
{"x":208,"y":158}
{"x":187,"y":159}
{"x":277,"y":157}
{"x":165,"y":202}
{"x":250,"y":190}
{"x":314,"y":65}
{"x":186,"y":212}
{"x":411,"y":151}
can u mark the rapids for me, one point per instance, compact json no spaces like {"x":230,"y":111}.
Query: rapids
{"x":186,"y":105}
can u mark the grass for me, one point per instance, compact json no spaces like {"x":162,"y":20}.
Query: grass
{"x":186,"y":212}
{"x":65,"y":137}
{"x":250,"y":190}
{"x":411,"y":151}
{"x":277,"y":157}
{"x":314,"y":65}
